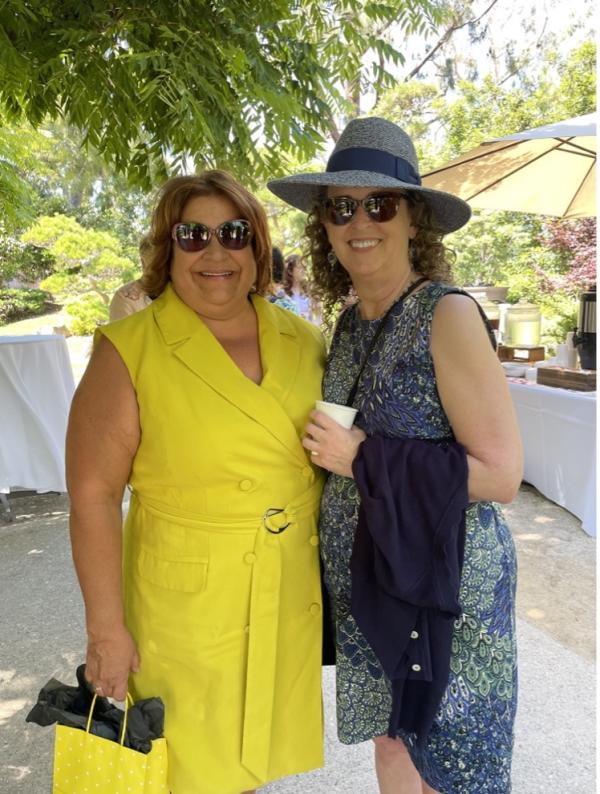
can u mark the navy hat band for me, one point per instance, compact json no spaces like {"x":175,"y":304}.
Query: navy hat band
{"x":359,"y":158}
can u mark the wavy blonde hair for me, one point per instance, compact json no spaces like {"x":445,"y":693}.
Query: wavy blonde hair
{"x":156,"y":247}
{"x":332,"y":285}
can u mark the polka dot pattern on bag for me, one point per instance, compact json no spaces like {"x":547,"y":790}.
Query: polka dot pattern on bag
{"x":88,"y":764}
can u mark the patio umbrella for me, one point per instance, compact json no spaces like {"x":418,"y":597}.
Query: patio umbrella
{"x":549,"y":170}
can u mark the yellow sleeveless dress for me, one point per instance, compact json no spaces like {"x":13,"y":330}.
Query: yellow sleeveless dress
{"x":221,"y":571}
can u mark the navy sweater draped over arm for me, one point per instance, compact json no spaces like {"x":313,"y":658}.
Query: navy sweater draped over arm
{"x":406,"y":565}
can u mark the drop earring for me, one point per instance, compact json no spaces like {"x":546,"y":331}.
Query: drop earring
{"x":332,"y":259}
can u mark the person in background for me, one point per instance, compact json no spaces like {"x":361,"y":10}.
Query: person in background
{"x":418,"y":558}
{"x":278,"y":294}
{"x":131,"y":297}
{"x":128,"y":299}
{"x":295,"y":285}
{"x":210,"y":596}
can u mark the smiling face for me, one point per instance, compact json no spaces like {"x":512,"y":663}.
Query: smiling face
{"x":215,"y":282}
{"x":368,"y":249}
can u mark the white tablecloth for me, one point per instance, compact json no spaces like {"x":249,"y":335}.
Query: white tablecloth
{"x":558,"y":430}
{"x":36,"y":387}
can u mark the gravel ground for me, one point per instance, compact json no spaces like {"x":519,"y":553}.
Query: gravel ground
{"x":41,"y":625}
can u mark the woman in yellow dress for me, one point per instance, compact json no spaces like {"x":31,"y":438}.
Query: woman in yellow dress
{"x":210,"y":596}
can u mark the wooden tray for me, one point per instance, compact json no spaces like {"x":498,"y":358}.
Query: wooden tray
{"x":575,"y":379}
{"x":521,"y":354}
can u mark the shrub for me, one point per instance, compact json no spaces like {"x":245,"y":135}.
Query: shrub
{"x":86,"y":313}
{"x":88,"y":268}
{"x":559,"y":315}
{"x":18,"y":304}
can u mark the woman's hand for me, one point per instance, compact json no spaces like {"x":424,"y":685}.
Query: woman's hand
{"x":110,"y":658}
{"x":332,"y":447}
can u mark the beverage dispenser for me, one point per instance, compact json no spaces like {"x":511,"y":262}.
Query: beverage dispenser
{"x":522,"y":323}
{"x":585,"y":336}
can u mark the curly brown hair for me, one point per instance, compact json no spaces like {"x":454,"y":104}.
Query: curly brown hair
{"x":332,"y":285}
{"x":156,"y":247}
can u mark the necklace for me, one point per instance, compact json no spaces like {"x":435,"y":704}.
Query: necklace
{"x":406,"y":286}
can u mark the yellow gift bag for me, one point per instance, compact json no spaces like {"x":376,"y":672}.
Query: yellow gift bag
{"x":87,"y":763}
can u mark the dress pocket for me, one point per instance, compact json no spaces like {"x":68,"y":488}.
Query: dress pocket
{"x":184,"y":576}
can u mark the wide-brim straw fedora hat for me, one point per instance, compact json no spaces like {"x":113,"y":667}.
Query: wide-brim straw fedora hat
{"x":373,"y":152}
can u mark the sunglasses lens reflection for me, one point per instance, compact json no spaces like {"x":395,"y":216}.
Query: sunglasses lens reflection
{"x":341,"y":210}
{"x":381,"y":208}
{"x":193,"y":237}
{"x":234,"y":235}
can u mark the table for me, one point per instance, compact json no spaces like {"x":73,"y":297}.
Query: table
{"x":558,"y":431}
{"x":36,"y":387}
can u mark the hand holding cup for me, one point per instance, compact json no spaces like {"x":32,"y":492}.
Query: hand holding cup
{"x":332,"y":439}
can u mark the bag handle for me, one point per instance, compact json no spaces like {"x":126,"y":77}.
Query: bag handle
{"x":128,"y":701}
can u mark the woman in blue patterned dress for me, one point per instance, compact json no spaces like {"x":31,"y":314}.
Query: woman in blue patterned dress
{"x":375,"y":234}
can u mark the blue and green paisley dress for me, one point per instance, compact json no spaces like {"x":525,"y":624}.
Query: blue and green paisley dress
{"x":470,"y":745}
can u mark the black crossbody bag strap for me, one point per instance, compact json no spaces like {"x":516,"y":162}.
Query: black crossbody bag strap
{"x":377,"y":335}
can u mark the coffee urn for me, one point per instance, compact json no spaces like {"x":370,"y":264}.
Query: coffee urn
{"x":585,"y":335}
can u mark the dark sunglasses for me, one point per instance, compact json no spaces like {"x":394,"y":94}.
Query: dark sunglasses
{"x":380,"y":208}
{"x":192,"y":237}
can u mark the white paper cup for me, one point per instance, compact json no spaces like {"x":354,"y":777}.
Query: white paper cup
{"x":572,"y":357}
{"x":342,"y":414}
{"x":562,"y":355}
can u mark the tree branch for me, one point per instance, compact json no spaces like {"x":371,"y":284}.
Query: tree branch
{"x":444,"y":39}
{"x":380,"y":79}
{"x":333,"y":129}
{"x":430,"y":54}
{"x":481,"y":16}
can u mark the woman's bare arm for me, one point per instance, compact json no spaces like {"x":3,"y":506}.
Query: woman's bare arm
{"x":476,"y":399}
{"x":102,"y":439}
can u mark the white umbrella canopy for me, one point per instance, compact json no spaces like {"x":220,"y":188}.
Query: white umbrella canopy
{"x":549,"y":170}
